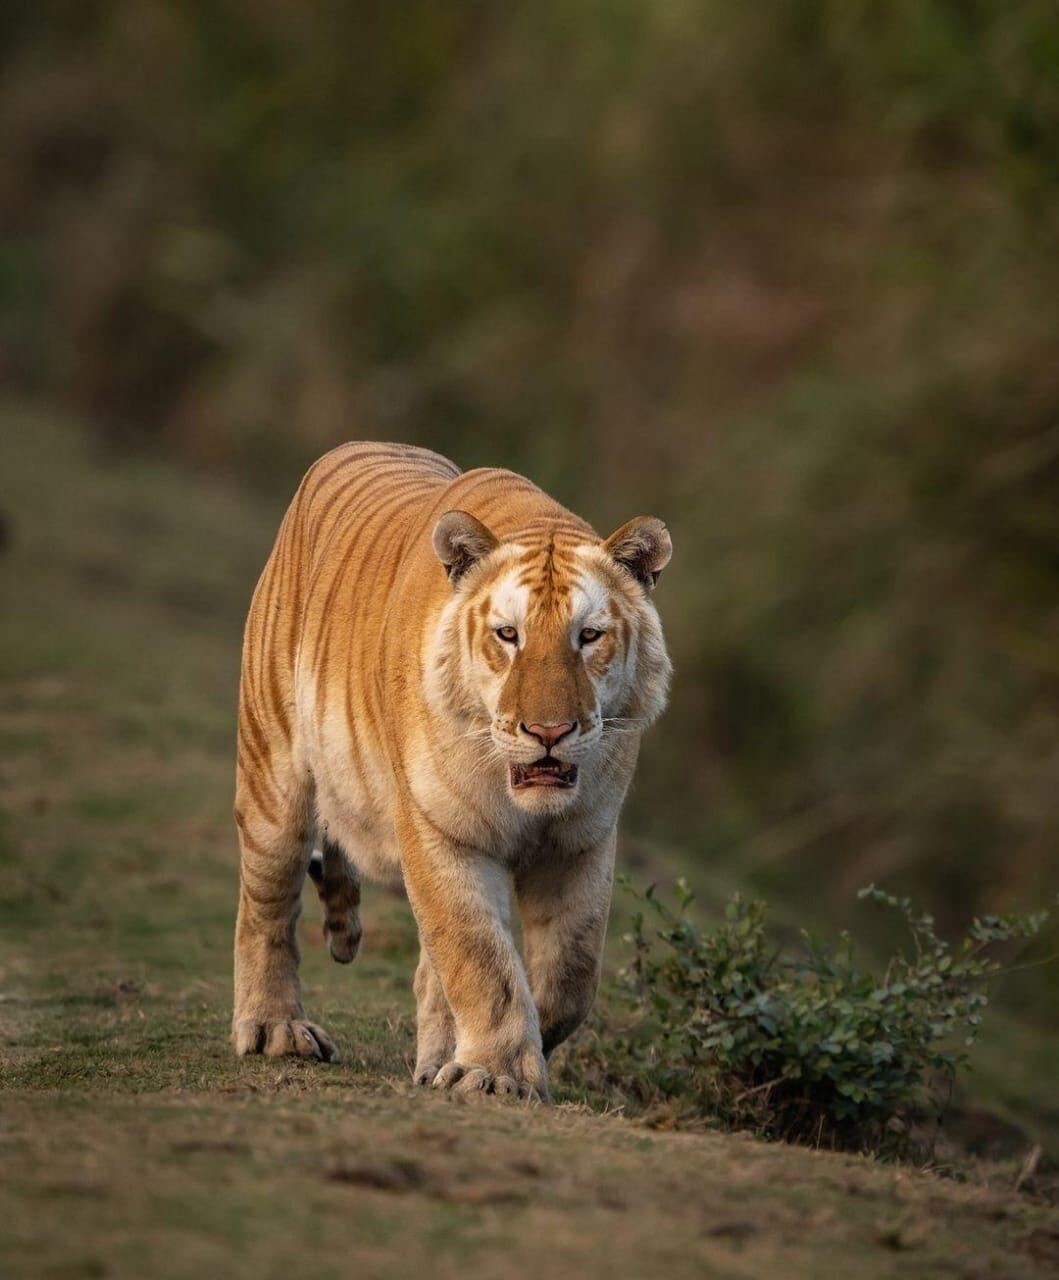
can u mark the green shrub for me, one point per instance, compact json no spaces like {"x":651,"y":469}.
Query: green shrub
{"x":725,"y":1025}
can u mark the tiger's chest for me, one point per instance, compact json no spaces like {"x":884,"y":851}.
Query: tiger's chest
{"x":353,"y":782}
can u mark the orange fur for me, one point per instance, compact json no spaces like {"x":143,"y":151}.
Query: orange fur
{"x":384,"y":716}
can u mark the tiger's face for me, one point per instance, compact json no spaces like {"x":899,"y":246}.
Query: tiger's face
{"x":550,"y":648}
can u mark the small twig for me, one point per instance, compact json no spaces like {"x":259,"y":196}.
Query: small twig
{"x":758,"y":1088}
{"x":1030,"y":964}
{"x":1029,"y":1166}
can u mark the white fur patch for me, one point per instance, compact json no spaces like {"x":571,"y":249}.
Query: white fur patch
{"x":589,"y":605}
{"x":510,"y":602}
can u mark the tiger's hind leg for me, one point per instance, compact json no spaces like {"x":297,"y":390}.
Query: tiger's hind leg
{"x":338,"y":885}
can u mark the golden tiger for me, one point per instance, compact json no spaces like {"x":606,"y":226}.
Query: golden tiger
{"x":445,"y":678}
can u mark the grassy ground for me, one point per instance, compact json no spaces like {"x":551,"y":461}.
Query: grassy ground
{"x":133,"y":1143}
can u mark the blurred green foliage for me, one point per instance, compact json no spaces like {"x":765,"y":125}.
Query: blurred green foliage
{"x":785,"y":273}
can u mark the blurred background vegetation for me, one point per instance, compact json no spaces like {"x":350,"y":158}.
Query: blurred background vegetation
{"x":784,"y":273}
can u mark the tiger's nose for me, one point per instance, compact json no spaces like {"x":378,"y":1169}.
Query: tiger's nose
{"x":549,"y":734}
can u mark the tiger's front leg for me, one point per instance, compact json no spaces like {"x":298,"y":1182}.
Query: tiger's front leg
{"x":564,"y":905}
{"x":461,"y":902}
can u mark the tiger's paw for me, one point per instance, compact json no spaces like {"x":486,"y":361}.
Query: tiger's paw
{"x":285,"y":1037}
{"x":343,"y":938}
{"x":470,"y":1078}
{"x":426,"y":1072}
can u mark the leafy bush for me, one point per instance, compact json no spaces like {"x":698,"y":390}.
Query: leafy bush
{"x":810,"y":1047}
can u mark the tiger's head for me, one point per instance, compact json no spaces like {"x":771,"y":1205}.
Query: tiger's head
{"x":550,"y":647}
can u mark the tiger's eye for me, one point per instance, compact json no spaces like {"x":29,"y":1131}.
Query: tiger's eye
{"x":508,"y":634}
{"x":590,"y":635}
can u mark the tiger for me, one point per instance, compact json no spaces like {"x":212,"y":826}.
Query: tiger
{"x":445,"y":679}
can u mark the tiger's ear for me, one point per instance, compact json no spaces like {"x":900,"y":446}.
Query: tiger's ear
{"x":642,"y":546}
{"x":460,"y":541}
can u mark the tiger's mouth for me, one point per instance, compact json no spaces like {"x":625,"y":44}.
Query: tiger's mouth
{"x":546,"y":772}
